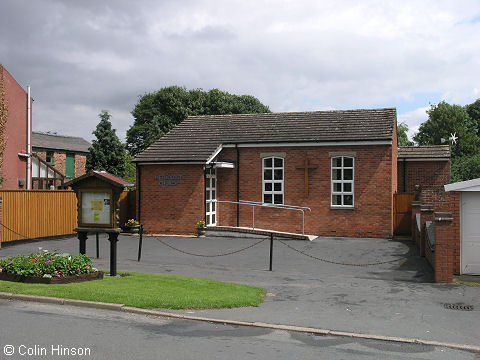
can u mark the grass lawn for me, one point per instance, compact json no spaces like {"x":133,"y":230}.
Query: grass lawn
{"x":149,"y":291}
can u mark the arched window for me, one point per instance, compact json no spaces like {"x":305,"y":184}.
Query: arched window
{"x":272,"y":180}
{"x":342,"y":181}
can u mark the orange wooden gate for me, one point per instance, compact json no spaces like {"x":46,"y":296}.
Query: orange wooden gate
{"x":402,"y":213}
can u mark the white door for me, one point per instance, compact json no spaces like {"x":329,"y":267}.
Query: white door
{"x":470,"y":233}
{"x":211,"y":194}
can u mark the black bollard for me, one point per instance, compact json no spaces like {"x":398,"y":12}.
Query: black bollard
{"x":113,"y":237}
{"x":140,"y":243}
{"x":82,"y":237}
{"x":271,"y":251}
{"x":98,"y":251}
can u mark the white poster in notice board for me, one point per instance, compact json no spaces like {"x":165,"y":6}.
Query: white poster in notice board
{"x":96,"y":208}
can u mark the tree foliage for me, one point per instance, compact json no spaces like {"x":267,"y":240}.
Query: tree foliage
{"x":157,"y":113}
{"x":402,"y":136}
{"x":473,"y":111}
{"x":466,"y":168}
{"x":445,"y":119}
{"x":130,"y":169}
{"x":107,"y":152}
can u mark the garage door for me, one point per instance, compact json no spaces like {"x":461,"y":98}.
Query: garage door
{"x":470,"y":233}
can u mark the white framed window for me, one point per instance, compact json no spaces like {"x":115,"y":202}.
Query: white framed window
{"x":342,"y":181}
{"x":211,"y":197}
{"x":272,"y":180}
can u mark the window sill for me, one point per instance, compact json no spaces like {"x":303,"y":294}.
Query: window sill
{"x":333,"y":207}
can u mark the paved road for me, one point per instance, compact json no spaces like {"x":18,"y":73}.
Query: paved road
{"x":395,"y":299}
{"x":47,"y":330}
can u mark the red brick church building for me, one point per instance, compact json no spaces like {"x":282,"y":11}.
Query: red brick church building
{"x":341,"y":165}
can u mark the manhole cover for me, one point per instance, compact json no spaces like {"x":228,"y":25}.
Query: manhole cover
{"x":461,"y":307}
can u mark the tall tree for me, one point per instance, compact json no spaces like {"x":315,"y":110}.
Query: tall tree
{"x":402,"y":136}
{"x":445,"y":119}
{"x":107,"y":152}
{"x":157,"y":113}
{"x":473,"y":111}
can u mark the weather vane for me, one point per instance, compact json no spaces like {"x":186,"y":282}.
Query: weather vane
{"x":452,"y":139}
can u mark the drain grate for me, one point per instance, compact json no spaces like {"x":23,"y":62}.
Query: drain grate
{"x":461,"y":307}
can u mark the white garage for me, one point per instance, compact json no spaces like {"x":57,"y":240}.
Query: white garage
{"x":469,"y":225}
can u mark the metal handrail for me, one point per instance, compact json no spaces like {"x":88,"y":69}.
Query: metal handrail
{"x":253,"y":204}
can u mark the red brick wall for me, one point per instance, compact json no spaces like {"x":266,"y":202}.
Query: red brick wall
{"x":80,"y":162}
{"x":227,"y":190}
{"x":394,"y":171}
{"x":171,"y":209}
{"x":14,"y":167}
{"x":1,"y":220}
{"x":447,"y":241}
{"x":423,"y":173}
{"x":373,"y":189}
{"x":60,"y":159}
{"x":445,"y":258}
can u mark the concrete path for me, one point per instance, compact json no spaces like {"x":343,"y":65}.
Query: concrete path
{"x":394,"y":299}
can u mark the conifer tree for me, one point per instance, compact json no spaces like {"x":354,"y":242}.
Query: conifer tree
{"x":107,"y":152}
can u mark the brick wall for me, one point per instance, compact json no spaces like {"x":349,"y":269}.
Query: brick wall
{"x":1,"y":221}
{"x":447,"y":243}
{"x":59,"y":159}
{"x":432,"y":174}
{"x":445,"y":257}
{"x":170,"y":209}
{"x":394,"y":165}
{"x":14,"y":167}
{"x":373,"y":191}
{"x":80,"y":162}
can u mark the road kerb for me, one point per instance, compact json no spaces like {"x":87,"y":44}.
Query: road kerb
{"x":128,"y":309}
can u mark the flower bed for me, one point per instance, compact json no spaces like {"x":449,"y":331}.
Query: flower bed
{"x":53,"y":280}
{"x":48,"y":268}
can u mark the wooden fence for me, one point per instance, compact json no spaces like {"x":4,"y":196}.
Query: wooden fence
{"x":45,"y":213}
{"x":37,"y":213}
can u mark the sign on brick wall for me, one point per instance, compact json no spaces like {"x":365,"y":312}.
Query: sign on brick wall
{"x":169,"y":180}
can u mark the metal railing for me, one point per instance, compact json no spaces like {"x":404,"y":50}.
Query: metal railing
{"x":254,"y":204}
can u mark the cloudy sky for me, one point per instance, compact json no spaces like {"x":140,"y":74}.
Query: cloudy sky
{"x":86,"y":55}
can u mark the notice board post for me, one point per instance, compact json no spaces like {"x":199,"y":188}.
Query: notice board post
{"x":98,"y":208}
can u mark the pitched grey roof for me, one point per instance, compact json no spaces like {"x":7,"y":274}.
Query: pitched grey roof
{"x":197,"y":138}
{"x":424,"y":152}
{"x":59,"y":142}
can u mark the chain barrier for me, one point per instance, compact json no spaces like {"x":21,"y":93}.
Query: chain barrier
{"x":337,"y":262}
{"x":205,"y":255}
{"x":13,"y":231}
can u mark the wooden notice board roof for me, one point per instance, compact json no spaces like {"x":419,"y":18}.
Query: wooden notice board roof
{"x":101,"y":175}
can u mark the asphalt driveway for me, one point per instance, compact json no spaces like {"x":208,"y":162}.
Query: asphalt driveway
{"x":395,"y":299}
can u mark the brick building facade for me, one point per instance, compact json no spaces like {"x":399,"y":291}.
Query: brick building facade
{"x":14,"y":170}
{"x":66,"y":154}
{"x":352,"y":157}
{"x":423,"y":167}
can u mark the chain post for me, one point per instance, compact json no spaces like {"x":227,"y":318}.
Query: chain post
{"x":271,"y":251}
{"x":140,"y":243}
{"x":97,"y":243}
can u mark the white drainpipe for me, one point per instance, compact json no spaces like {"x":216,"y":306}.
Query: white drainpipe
{"x":29,"y":142}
